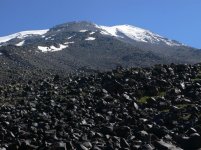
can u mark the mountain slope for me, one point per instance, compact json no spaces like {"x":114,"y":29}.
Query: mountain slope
{"x":120,"y":32}
{"x":86,"y":46}
{"x":22,"y":35}
{"x":137,"y":34}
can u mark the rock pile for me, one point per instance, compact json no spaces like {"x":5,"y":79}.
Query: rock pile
{"x":137,"y":108}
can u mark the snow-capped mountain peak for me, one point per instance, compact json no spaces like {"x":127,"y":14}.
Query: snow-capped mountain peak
{"x":127,"y":33}
{"x":137,"y":34}
{"x":76,"y":45}
{"x":22,"y":35}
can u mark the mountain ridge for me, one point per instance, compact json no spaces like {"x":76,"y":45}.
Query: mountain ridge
{"x":84,"y":46}
{"x":119,"y":31}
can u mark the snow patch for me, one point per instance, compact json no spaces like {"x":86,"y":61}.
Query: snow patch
{"x":90,"y":39}
{"x":66,"y":43}
{"x":91,"y":33}
{"x":110,"y":30}
{"x":70,"y":37}
{"x":20,"y":43}
{"x":43,"y":48}
{"x":22,"y":35}
{"x":61,"y":47}
{"x":135,"y":33}
{"x":52,"y":48}
{"x":83,"y":31}
{"x":47,"y":38}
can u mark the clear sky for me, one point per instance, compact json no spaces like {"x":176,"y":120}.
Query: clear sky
{"x":175,"y":19}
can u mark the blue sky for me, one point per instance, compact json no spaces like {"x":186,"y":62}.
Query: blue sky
{"x":175,"y":19}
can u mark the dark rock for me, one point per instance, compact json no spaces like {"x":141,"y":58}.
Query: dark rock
{"x":81,"y":147}
{"x":124,"y":143}
{"x":136,"y":108}
{"x":108,"y":130}
{"x":148,"y":147}
{"x":87,"y":145}
{"x":59,"y":146}
{"x":194,"y":141}
{"x":123,"y":131}
{"x":165,"y":146}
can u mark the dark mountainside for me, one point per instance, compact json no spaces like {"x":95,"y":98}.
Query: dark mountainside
{"x":137,"y":108}
{"x":84,"y":46}
{"x":81,"y":86}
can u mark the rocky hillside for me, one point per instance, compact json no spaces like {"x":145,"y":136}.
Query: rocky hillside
{"x":138,"y":108}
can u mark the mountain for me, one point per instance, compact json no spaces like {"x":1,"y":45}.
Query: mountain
{"x":122,"y":32}
{"x":87,"y":46}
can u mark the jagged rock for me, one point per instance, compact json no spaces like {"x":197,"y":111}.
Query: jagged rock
{"x":194,"y":141}
{"x":124,"y":143}
{"x":107,"y":110}
{"x":59,"y":146}
{"x":148,"y":147}
{"x":165,"y":146}
{"x":87,"y":145}
{"x":108,"y":130}
{"x":123,"y":131}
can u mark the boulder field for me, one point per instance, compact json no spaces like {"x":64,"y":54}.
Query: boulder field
{"x":137,"y":108}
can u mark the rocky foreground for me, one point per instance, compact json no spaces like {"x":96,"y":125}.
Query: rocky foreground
{"x":137,"y":108}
